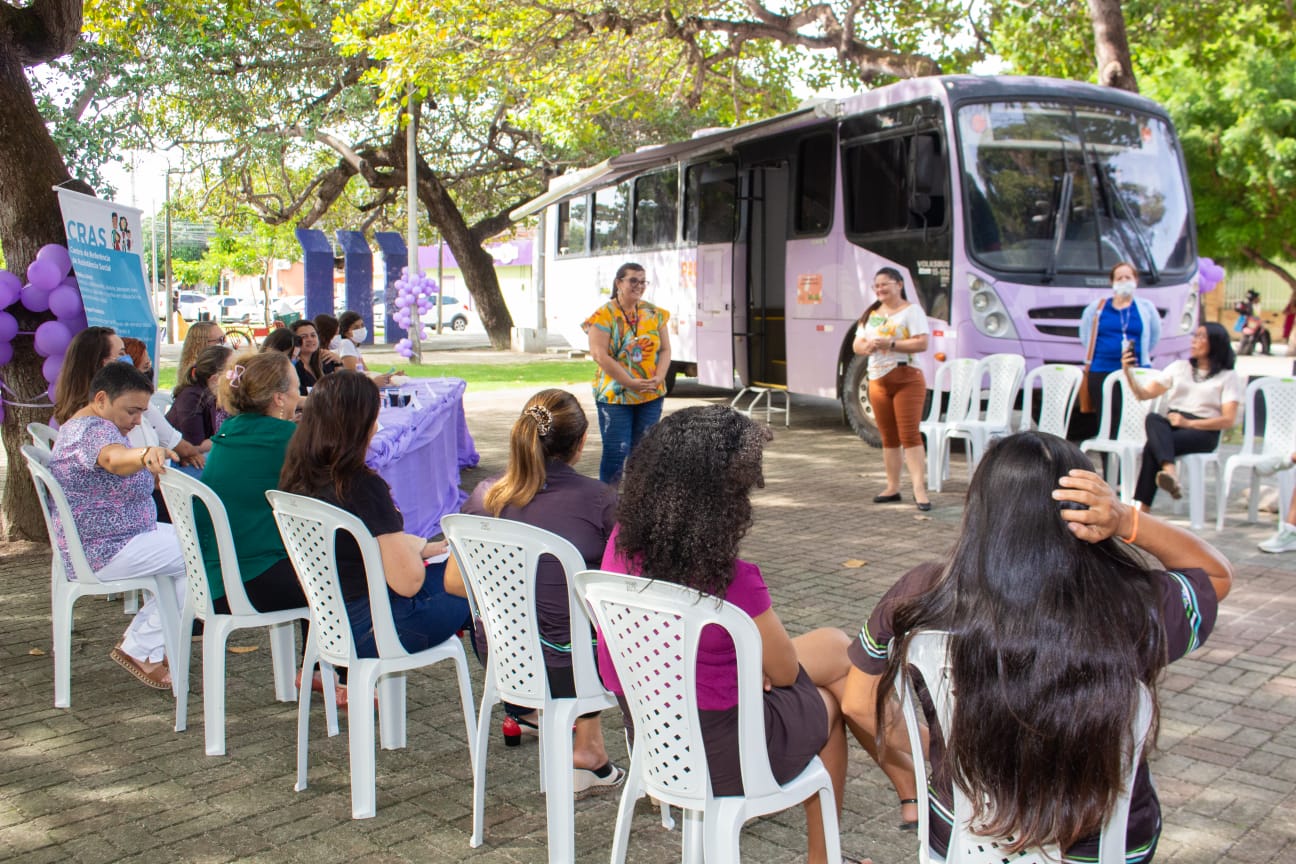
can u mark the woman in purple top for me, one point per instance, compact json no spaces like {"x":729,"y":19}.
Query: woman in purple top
{"x":194,"y":411}
{"x":1054,"y":624}
{"x":684,"y":506}
{"x":109,"y":488}
{"x":541,"y":487}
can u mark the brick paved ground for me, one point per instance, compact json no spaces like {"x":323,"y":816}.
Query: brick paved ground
{"x":109,"y":780}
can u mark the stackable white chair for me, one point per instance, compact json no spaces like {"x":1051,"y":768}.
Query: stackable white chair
{"x":181,"y":491}
{"x":42,"y":436}
{"x":928,"y":653}
{"x":652,"y":630}
{"x":1059,"y":385}
{"x":1127,"y":447}
{"x":498,"y":560}
{"x":1005,"y":372}
{"x":309,"y":528}
{"x":66,"y":588}
{"x":1278,"y":443}
{"x":959,"y":378}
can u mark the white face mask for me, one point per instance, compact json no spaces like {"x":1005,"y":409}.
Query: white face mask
{"x":1124,"y":287}
{"x":359,"y":334}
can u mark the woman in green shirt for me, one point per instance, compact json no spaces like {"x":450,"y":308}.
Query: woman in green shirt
{"x":260,"y":392}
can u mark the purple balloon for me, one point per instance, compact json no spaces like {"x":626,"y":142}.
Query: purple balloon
{"x":65,"y":302}
{"x":70,"y":282}
{"x":58,"y":256}
{"x":8,"y":327}
{"x":6,"y":352}
{"x":10,"y":288}
{"x":34,"y":298}
{"x":50,"y":368}
{"x":44,"y":274}
{"x":77,"y":323}
{"x":52,"y":339}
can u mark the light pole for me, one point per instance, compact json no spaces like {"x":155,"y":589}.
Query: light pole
{"x":170,"y":297}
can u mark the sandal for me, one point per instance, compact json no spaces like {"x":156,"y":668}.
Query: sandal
{"x":159,"y":677}
{"x":600,"y":779}
{"x":904,"y":824}
{"x":317,"y":686}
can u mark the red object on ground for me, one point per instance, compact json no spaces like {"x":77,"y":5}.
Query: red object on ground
{"x":512,"y":732}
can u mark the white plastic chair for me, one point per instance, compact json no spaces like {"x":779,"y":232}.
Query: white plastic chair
{"x":309,"y":529}
{"x":928,"y":652}
{"x":66,"y":588}
{"x":1059,"y":385}
{"x":181,"y":491}
{"x":958,"y":377}
{"x":1005,"y":372}
{"x":42,"y":436}
{"x":652,"y":630}
{"x":498,"y":559}
{"x":1279,"y":442}
{"x":1131,"y":434}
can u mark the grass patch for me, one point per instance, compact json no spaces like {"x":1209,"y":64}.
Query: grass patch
{"x":481,"y":376}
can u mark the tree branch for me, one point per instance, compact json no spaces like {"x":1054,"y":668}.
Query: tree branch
{"x":41,"y":32}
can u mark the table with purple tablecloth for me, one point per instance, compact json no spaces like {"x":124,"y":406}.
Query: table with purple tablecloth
{"x":419,"y":450}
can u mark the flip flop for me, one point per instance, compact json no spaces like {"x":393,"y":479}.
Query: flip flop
{"x":159,"y":678}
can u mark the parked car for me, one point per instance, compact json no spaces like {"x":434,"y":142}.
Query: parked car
{"x":226,"y":308}
{"x":188,"y":304}
{"x":455,"y":314}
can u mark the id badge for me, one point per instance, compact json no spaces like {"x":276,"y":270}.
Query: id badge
{"x":636,"y":353}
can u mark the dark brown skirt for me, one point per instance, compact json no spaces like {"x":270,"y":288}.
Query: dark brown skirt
{"x":796,"y":729}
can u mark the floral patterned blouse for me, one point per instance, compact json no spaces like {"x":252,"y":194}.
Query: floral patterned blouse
{"x":635,"y":346}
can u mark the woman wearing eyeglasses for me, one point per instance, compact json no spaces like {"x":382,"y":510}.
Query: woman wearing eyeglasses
{"x":891,"y":333}
{"x":629,"y":342}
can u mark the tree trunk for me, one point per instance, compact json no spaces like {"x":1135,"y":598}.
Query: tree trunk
{"x":30,"y":166}
{"x":1111,"y":46}
{"x":475,"y":262}
{"x":1272,"y":266}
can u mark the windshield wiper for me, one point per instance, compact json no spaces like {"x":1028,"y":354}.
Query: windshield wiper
{"x":1061,"y":215}
{"x":1125,"y":221}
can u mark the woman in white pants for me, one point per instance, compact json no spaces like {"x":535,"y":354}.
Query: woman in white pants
{"x":109,"y":488}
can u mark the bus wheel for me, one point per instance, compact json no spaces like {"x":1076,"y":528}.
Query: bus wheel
{"x":859,"y":413}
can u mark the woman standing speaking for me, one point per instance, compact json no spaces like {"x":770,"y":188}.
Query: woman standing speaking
{"x":890,"y":333}
{"x":628,"y":341}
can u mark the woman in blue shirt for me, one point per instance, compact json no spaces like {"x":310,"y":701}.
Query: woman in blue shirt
{"x":1123,"y":321}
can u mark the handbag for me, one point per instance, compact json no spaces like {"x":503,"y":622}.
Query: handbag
{"x":1086,"y":401}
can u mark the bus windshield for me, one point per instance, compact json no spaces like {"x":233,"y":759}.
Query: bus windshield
{"x":1060,"y":188}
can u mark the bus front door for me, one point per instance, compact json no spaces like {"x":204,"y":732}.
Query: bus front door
{"x":766,"y":245}
{"x":715,"y":316}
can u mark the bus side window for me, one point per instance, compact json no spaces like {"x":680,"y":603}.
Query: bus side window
{"x":814,"y":196}
{"x":656,"y":209}
{"x":611,"y":218}
{"x":710,"y":203}
{"x":571,"y":226}
{"x":927,"y":183}
{"x":876,"y":198}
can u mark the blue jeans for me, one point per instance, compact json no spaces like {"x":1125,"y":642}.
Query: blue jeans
{"x":428,"y":618}
{"x":622,"y":426}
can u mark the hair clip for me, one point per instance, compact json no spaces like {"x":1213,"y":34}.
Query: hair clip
{"x":542,"y":417}
{"x":233,"y":375}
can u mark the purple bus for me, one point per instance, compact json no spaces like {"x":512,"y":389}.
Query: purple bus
{"x":1005,"y":201}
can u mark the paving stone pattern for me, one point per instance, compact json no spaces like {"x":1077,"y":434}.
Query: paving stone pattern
{"x":108,"y":779}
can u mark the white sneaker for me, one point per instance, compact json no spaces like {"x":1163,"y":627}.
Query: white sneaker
{"x":1283,"y":541}
{"x":1272,"y":465}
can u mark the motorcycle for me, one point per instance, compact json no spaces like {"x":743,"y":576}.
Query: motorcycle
{"x":1250,"y":327}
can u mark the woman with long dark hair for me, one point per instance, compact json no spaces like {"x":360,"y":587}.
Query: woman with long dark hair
{"x":542,"y":487}
{"x":326,"y":460}
{"x":1204,"y":394}
{"x":890,"y":333}
{"x":1055,"y":621}
{"x":195,"y":411}
{"x":310,"y":359}
{"x":684,"y":506}
{"x":629,"y":342}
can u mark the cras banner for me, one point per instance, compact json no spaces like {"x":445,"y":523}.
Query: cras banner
{"x":104,"y":239}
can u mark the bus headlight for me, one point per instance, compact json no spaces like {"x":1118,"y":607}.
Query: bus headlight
{"x":989,"y":315}
{"x":1188,"y":320}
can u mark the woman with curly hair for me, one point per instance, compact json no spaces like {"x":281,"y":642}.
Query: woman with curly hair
{"x":1054,"y":625}
{"x":684,"y":506}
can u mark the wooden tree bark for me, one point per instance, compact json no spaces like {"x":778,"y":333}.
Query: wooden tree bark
{"x":1111,"y":45}
{"x":30,"y":166}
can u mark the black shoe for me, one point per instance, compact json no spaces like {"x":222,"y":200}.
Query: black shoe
{"x":924,"y":506}
{"x":887,"y":499}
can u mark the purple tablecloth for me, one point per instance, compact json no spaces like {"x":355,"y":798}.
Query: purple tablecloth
{"x":419,"y":450}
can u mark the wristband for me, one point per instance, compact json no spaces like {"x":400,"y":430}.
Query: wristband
{"x":1133,"y":532}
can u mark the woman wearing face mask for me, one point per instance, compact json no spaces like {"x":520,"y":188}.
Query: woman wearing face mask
{"x":354,"y":332}
{"x":1123,"y":323}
